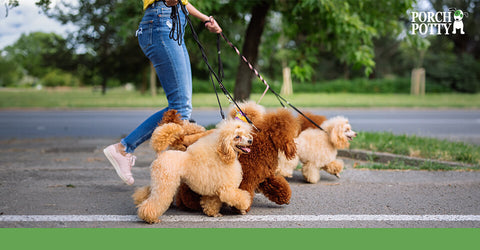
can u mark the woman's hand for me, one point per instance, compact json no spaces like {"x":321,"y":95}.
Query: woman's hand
{"x":212,"y":25}
{"x":171,"y":3}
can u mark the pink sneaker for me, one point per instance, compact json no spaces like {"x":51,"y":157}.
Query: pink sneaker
{"x":122,"y":163}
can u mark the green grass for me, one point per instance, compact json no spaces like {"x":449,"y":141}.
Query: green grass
{"x":414,"y":146}
{"x":429,"y":148}
{"x":427,"y":165}
{"x":119,"y":98}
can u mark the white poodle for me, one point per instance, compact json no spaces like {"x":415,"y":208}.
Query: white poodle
{"x":317,"y":149}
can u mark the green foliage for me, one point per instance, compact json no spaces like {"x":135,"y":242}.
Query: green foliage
{"x":58,"y":77}
{"x":345,"y":28}
{"x":460,"y":73}
{"x":10,"y":72}
{"x":40,"y":52}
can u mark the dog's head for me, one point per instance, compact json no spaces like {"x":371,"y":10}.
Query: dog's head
{"x":253,"y":111}
{"x":340,"y":131}
{"x":234,"y":138}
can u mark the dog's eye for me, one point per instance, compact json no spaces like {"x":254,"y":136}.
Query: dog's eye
{"x":237,"y":137}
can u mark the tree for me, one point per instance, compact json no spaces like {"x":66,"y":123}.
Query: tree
{"x":345,"y":28}
{"x":95,"y":32}
{"x":49,"y":51}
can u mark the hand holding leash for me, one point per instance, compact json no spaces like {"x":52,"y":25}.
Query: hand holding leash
{"x":212,"y":25}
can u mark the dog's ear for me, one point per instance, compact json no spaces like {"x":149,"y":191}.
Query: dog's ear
{"x":282,"y":129}
{"x":338,"y":138}
{"x":224,"y":148}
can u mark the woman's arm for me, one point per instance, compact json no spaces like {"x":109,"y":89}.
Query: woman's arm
{"x":209,"y":21}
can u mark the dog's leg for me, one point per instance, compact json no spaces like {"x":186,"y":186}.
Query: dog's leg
{"x":276,"y":189}
{"x":164,"y":185}
{"x":311,"y":172}
{"x":187,"y":198}
{"x":141,"y":194}
{"x":286,"y":167}
{"x":211,"y":205}
{"x":236,"y":197}
{"x":334,"y":167}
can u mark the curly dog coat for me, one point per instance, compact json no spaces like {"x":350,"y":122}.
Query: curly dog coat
{"x":209,"y":167}
{"x":276,"y":133}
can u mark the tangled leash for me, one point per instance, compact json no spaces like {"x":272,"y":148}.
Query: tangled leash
{"x":240,"y":114}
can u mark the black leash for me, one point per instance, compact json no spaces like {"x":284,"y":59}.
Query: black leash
{"x":279,"y":97}
{"x":211,"y":71}
{"x":176,"y":30}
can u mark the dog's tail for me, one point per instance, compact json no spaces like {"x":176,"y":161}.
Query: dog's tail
{"x":165,"y":135}
{"x":141,"y":194}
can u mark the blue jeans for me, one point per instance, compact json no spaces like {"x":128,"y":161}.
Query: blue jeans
{"x":172,"y":65}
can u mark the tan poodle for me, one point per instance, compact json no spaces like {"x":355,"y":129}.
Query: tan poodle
{"x":275,"y":133}
{"x":317,"y":149}
{"x":209,"y":167}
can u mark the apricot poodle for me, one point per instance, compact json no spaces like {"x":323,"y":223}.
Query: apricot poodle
{"x":276,"y":133}
{"x":192,"y":131}
{"x":209,"y":167}
{"x":317,"y":149}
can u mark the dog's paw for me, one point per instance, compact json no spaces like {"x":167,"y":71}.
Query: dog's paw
{"x":217,"y":215}
{"x":152,"y":221}
{"x":242,"y":211}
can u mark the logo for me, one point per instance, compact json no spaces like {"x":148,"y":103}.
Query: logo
{"x":438,"y":23}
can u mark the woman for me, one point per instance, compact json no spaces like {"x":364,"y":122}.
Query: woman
{"x":172,"y":64}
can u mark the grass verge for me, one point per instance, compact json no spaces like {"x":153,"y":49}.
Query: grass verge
{"x":414,"y":146}
{"x":119,"y":98}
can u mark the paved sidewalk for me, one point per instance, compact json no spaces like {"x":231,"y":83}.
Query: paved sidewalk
{"x":71,"y":177}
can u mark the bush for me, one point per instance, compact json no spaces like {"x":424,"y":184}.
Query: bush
{"x":10,"y":73}
{"x":359,"y":85}
{"x":58,"y":77}
{"x":448,"y":71}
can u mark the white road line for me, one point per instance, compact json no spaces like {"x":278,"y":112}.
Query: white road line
{"x":245,"y":218}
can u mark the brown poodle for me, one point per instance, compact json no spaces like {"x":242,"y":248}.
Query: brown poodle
{"x":276,"y":133}
{"x":209,"y":166}
{"x":317,"y":149}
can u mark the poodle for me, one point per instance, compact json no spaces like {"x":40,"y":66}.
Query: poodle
{"x":305,"y":124}
{"x":209,"y":167}
{"x":317,"y":149}
{"x":192,"y":131}
{"x":275,"y":132}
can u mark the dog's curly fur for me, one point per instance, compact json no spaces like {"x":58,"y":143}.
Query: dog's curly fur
{"x":306,"y":124}
{"x":192,"y":131}
{"x":276,"y":133}
{"x":317,"y":149}
{"x":209,"y":166}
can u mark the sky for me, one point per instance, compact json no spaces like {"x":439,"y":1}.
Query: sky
{"x":26,"y":18}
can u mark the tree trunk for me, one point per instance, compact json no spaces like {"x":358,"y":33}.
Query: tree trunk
{"x":243,"y":82}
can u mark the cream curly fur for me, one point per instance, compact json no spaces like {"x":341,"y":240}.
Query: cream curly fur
{"x":318,"y":150}
{"x":210,"y":167}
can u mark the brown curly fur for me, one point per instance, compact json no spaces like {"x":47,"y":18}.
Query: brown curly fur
{"x":276,"y":132}
{"x":192,"y":131}
{"x":305,"y":124}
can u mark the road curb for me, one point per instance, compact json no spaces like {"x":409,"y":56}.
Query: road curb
{"x":364,"y":155}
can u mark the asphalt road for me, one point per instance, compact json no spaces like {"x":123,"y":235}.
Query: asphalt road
{"x":53,"y":174}
{"x":462,"y":125}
